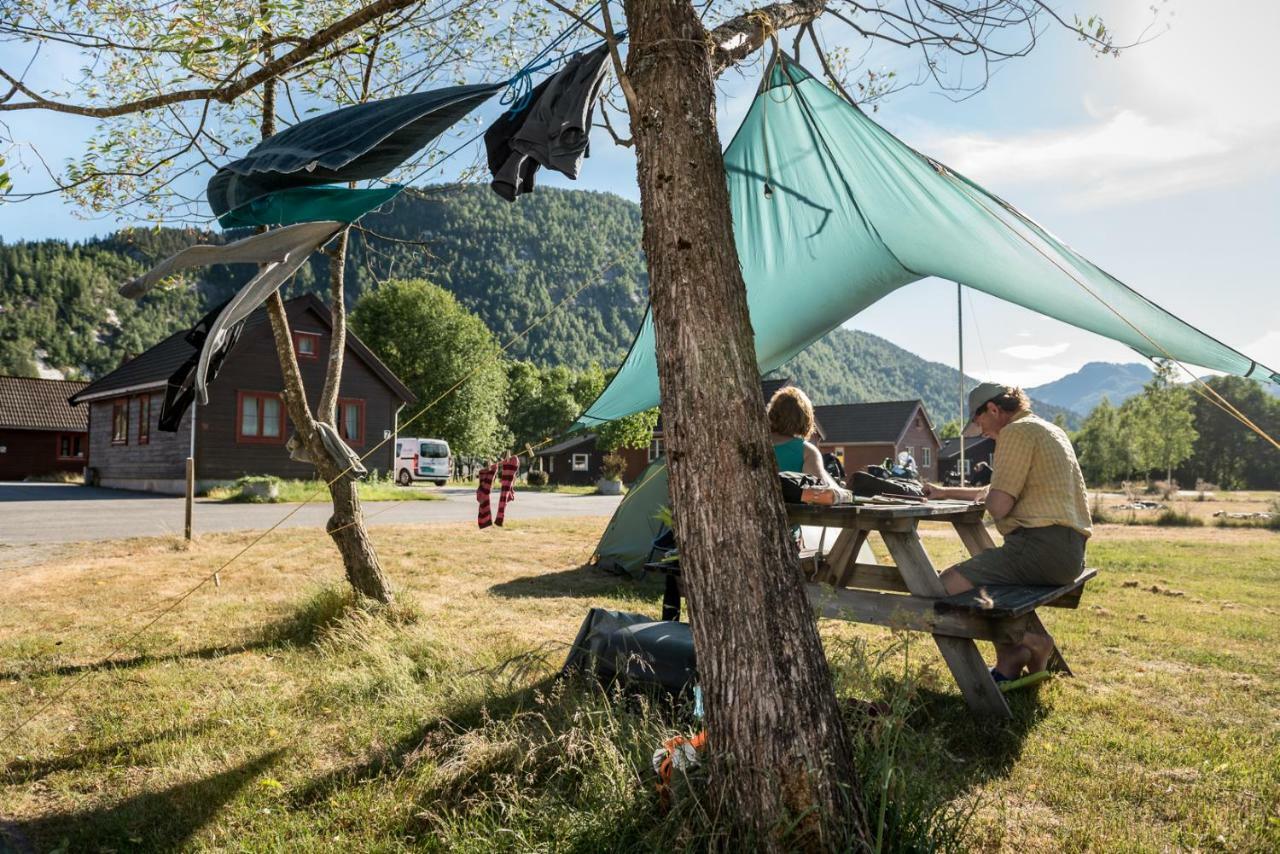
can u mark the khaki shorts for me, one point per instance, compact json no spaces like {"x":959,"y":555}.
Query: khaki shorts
{"x":1052,"y":556}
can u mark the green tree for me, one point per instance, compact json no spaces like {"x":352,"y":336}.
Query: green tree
{"x":1100,"y":447}
{"x":1226,"y":452}
{"x":950,"y":430}
{"x":540,"y":401}
{"x":1170,"y":432}
{"x":432,"y":343}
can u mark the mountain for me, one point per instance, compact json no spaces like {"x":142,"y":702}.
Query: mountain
{"x":851,"y":366}
{"x":1082,"y":391}
{"x":511,"y":264}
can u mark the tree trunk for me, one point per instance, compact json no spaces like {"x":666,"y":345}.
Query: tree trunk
{"x":779,"y":753}
{"x":346,"y":526}
{"x":328,"y":408}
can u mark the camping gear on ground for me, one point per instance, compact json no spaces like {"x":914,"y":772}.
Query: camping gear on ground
{"x":180,"y":389}
{"x":339,"y":451}
{"x":551,"y":129}
{"x":635,"y":650}
{"x":867,"y":483}
{"x":855,"y":214}
{"x":355,"y":143}
{"x":676,"y":754}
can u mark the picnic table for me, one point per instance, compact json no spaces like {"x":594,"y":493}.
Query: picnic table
{"x":909,"y":594}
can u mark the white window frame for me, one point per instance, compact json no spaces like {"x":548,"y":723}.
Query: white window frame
{"x":926,"y":456}
{"x":656,"y":449}
{"x":581,"y":462}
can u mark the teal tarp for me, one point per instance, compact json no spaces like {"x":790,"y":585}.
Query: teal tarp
{"x":309,"y":204}
{"x":855,"y":213}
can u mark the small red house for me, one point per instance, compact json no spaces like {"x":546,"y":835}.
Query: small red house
{"x":40,"y":433}
{"x":864,"y":434}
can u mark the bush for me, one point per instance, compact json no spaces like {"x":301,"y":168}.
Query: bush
{"x":1167,"y":489}
{"x":612,"y":466}
{"x":1097,"y":514}
{"x":1171,"y":518}
{"x":538,"y":477}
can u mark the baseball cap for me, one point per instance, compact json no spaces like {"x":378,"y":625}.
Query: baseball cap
{"x":981,"y":395}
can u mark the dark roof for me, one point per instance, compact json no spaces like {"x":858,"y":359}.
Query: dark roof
{"x":36,"y":404}
{"x":866,"y":422}
{"x":951,"y":447}
{"x":568,"y":444}
{"x":154,"y":367}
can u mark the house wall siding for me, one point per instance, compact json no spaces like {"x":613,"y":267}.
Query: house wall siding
{"x":34,"y":452}
{"x":919,"y":435}
{"x":162,"y":458}
{"x":252,"y":366}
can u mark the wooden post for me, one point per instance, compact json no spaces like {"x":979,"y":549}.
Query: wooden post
{"x":191,"y":493}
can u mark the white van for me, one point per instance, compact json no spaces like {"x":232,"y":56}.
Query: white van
{"x":423,"y":459}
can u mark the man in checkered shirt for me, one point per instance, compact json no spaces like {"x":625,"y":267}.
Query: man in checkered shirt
{"x":1037,"y":498}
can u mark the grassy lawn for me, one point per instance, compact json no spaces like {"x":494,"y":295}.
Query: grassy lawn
{"x":270,"y":714}
{"x":297,"y":491}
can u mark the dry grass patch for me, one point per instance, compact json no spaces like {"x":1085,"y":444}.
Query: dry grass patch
{"x":275,"y":713}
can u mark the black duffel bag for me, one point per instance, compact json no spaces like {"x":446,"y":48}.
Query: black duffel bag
{"x":866,"y":484}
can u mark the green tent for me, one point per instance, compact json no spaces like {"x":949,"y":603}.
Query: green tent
{"x":831,"y":212}
{"x":627,"y":541}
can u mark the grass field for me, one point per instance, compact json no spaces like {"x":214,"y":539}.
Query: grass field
{"x":270,"y":714}
{"x":298,"y":491}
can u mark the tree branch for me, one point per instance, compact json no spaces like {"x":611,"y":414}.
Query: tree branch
{"x":738,"y":38}
{"x":226,"y":92}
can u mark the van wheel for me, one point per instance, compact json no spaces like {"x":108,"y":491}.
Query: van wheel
{"x":403,"y":478}
{"x":441,"y":482}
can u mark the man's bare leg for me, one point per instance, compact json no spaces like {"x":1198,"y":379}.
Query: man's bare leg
{"x":1010,"y":657}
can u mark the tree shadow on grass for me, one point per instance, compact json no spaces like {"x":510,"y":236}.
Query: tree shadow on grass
{"x":298,"y":629}
{"x":25,"y":770}
{"x":152,"y":821}
{"x":579,"y":581}
{"x":403,"y":753}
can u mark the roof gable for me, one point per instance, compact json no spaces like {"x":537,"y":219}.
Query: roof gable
{"x":38,"y":404}
{"x":858,"y":423}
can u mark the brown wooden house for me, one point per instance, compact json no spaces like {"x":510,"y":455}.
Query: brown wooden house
{"x":243,"y":429}
{"x":863,"y":434}
{"x":978,"y":449}
{"x":40,"y":432}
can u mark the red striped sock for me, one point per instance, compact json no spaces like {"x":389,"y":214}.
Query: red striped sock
{"x":482,"y":495}
{"x":510,"y":466}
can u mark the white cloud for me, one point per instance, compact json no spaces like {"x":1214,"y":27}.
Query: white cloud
{"x":1035,"y":352}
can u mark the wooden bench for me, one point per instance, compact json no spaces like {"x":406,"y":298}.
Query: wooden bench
{"x":810,"y":561}
{"x":998,"y":601}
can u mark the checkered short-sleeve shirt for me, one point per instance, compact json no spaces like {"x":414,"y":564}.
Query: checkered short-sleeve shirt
{"x":1035,"y":463}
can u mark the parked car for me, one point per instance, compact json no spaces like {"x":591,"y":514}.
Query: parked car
{"x":423,"y":459}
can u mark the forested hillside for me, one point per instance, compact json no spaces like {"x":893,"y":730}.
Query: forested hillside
{"x":508,"y":263}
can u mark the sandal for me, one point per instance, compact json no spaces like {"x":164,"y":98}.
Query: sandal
{"x":1004,"y":683}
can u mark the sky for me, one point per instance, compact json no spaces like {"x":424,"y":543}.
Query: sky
{"x":1162,"y":166}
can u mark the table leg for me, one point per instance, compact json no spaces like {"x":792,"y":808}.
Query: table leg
{"x":974,"y":536}
{"x":843,"y":555}
{"x":1057,"y":664}
{"x":961,"y":654}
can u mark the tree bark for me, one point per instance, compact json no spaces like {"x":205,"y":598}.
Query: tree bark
{"x":328,"y":408}
{"x":780,"y":757}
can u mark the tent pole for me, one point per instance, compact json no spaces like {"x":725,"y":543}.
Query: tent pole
{"x":960,"y":348}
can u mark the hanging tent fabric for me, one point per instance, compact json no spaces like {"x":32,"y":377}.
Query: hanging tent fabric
{"x":352,"y":144}
{"x":831,"y":212}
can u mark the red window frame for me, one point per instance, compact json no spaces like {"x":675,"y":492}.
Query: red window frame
{"x":314,"y":337}
{"x":343,"y":402}
{"x":119,"y":419}
{"x":144,"y":419}
{"x":73,"y":440}
{"x":259,"y":439}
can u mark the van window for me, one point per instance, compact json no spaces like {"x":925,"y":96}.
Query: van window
{"x":434,"y":450}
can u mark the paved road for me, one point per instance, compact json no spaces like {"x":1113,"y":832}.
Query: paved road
{"x":33,"y":513}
